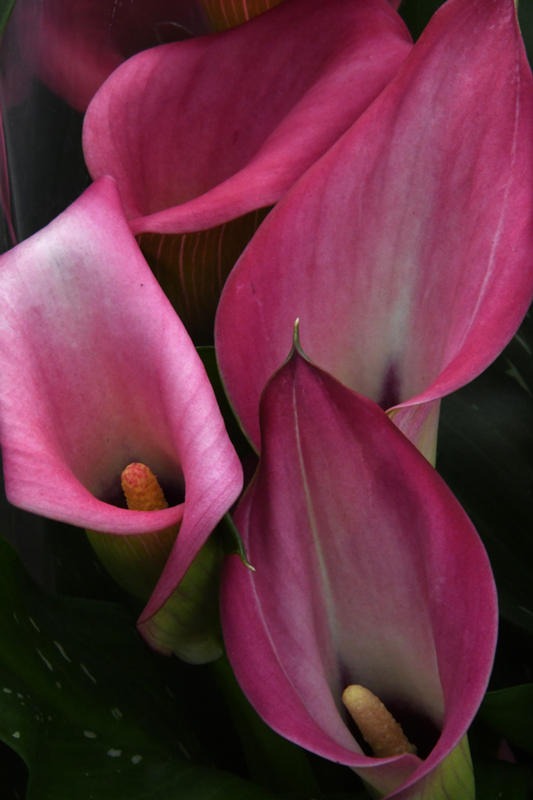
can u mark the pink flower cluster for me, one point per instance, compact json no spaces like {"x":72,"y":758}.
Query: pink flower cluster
{"x":401,"y":238}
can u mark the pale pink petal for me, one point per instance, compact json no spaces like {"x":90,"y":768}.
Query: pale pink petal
{"x":96,"y":372}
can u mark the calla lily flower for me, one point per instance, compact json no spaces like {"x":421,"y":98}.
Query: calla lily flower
{"x":74,"y":47}
{"x":199,"y":132}
{"x":368,"y":572}
{"x":97,"y":372}
{"x":204,"y":136}
{"x":406,"y":251}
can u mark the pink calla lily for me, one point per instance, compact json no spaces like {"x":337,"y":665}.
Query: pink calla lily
{"x":368,"y":572}
{"x":201,"y":132}
{"x":96,"y":372}
{"x":407,"y":250}
{"x":204,"y":136}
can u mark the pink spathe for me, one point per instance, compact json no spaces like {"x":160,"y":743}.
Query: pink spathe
{"x":368,"y":571}
{"x":97,"y":372}
{"x":200,"y":132}
{"x":407,"y":249}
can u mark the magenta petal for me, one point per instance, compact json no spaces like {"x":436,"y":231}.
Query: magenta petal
{"x":97,"y":371}
{"x":200,"y":132}
{"x":368,"y":571}
{"x":406,"y":251}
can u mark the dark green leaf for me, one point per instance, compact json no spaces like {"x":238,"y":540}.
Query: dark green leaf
{"x":231,"y":540}
{"x":513,"y":664}
{"x":83,"y":702}
{"x":417,"y":13}
{"x":78,"y":570}
{"x":485,"y":454}
{"x":6,"y":7}
{"x":499,"y":780}
{"x":510,"y":713}
{"x":525,"y":17}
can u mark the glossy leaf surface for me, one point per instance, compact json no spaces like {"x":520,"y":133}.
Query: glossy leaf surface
{"x":509,"y":712}
{"x":67,"y":709}
{"x":485,"y":454}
